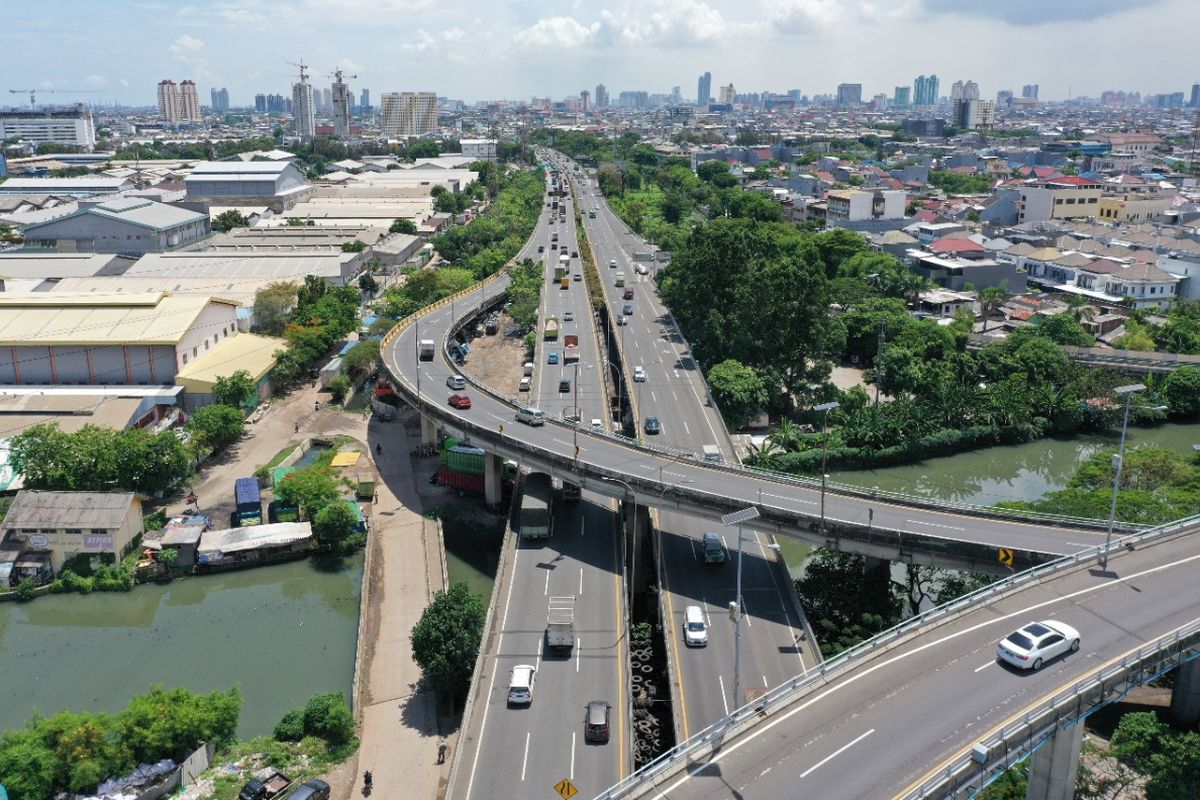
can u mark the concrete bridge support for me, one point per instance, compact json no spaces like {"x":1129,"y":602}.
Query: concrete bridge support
{"x":1053,"y":766}
{"x":429,"y":432}
{"x":493,"y":486}
{"x":874,"y":564}
{"x":636,"y":519}
{"x":1185,"y":699}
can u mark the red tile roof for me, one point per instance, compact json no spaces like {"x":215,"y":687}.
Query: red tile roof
{"x":950,"y":244}
{"x":1073,"y":180}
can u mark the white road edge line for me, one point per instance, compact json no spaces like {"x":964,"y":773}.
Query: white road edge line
{"x":572,"y":775}
{"x":525,"y":760}
{"x":724,"y":701}
{"x":835,"y":754}
{"x":578,"y":649}
{"x":985,"y":666}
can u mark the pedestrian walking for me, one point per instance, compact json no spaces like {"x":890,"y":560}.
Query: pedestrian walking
{"x":375,"y":499}
{"x":296,"y":427}
{"x":442,"y":747}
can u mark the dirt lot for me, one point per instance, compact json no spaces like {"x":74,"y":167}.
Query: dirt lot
{"x":496,"y":360}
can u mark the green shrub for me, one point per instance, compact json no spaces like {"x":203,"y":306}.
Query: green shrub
{"x":328,"y":716}
{"x":291,"y":726}
{"x":26,"y":590}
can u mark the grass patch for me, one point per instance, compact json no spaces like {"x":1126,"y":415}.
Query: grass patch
{"x":264,"y":472}
{"x":590,"y":274}
{"x":299,"y":761}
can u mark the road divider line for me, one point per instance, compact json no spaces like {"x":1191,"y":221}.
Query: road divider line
{"x":546,"y":589}
{"x":985,"y":666}
{"x":835,"y":754}
{"x":525,"y":760}
{"x":581,"y":581}
{"x":572,"y":774}
{"x":724,"y":701}
{"x":934,"y":525}
{"x":578,"y":647}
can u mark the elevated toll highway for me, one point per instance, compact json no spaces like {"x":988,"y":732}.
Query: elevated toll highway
{"x":927,"y":711}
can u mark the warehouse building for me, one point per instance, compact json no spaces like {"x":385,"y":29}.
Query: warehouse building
{"x":52,"y":527}
{"x":336,"y":268}
{"x":277,"y":184}
{"x":126,"y":225}
{"x":80,"y":186}
{"x":59,"y":339}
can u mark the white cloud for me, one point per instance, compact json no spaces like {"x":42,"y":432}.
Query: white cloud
{"x":805,"y":16}
{"x":668,"y":23}
{"x":186,"y":46}
{"x":242,"y":16}
{"x":95,"y":80}
{"x":562,"y":32}
{"x":365,"y":8}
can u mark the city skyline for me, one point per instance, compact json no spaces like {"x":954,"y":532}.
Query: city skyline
{"x":246,"y":46}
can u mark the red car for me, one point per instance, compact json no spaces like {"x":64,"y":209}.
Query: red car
{"x":460,"y":400}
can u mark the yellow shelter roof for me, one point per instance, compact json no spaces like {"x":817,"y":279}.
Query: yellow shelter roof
{"x":249,"y":351}
{"x":51,"y":318}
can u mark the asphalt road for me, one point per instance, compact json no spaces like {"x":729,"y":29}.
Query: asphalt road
{"x":674,"y":393}
{"x":526,"y":751}
{"x":877,"y":730}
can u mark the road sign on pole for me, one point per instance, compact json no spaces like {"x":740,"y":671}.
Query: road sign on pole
{"x":1006,"y":556}
{"x":566,"y":789}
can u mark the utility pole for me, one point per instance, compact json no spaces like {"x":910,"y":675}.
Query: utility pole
{"x":878,"y":353}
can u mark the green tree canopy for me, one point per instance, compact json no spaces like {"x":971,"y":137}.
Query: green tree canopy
{"x":403,"y":225}
{"x":738,"y":391}
{"x":238,"y":390}
{"x":272,"y":304}
{"x":1181,"y":390}
{"x":363,"y":357}
{"x":96,"y":459}
{"x":228,"y":220}
{"x":327,"y":716}
{"x":445,"y":641}
{"x":216,"y":426}
{"x":423,"y":148}
{"x":334,"y":524}
{"x":309,"y":489}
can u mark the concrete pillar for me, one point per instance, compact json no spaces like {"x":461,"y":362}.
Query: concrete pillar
{"x":428,"y":431}
{"x":1185,"y":699}
{"x":1053,"y":766}
{"x":493,"y":469}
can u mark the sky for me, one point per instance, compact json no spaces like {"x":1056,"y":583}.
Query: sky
{"x":516,"y":49}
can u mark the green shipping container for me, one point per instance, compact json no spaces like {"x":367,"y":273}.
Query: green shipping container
{"x":465,"y":460}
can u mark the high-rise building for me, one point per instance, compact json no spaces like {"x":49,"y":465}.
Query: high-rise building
{"x":220,"y":99}
{"x":956,"y":91}
{"x":1195,"y":101}
{"x":970,"y":90}
{"x":1169,"y":100}
{"x":304,"y":107}
{"x":342,"y":99}
{"x":676,"y":95}
{"x":65,"y":126}
{"x":364,"y":101}
{"x":726,"y":94}
{"x":901,"y":97}
{"x":168,"y":100}
{"x":925,"y":90}
{"x":189,"y":102}
{"x":1003,"y":98}
{"x":1030,"y":90}
{"x":260,"y":104}
{"x":405,"y":114}
{"x":601,"y":98}
{"x":971,"y":114}
{"x":326,"y":100}
{"x":795,"y":95}
{"x":584,"y":98}
{"x":849,"y":94}
{"x":704,"y":89}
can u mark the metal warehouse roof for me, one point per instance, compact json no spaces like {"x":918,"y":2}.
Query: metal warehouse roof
{"x":84,"y":510}
{"x":238,"y":265}
{"x":53,"y":318}
{"x":134,"y":210}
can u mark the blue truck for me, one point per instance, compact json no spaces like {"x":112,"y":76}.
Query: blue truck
{"x":248,"y":498}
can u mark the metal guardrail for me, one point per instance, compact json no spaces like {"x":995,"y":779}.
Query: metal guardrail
{"x":1016,"y":741}
{"x":696,"y":749}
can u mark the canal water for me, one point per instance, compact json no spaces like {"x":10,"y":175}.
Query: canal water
{"x":283,"y":633}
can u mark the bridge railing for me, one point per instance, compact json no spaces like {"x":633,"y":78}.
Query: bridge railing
{"x":696,"y":750}
{"x":1008,"y":746}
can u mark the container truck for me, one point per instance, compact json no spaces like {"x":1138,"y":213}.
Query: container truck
{"x":537,"y":506}
{"x":560,"y":624}
{"x":425,"y":349}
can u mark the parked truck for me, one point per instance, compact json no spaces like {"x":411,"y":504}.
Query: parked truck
{"x":560,"y":624}
{"x":550,"y":332}
{"x":571,"y":351}
{"x":248,"y":498}
{"x":265,"y":789}
{"x":537,"y":506}
{"x":425,"y":349}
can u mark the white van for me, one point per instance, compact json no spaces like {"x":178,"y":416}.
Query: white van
{"x":597,"y":426}
{"x":531,"y":416}
{"x":528,"y":368}
{"x":695,"y":632}
{"x":525,"y":384}
{"x":712,"y":454}
{"x":520,"y":685}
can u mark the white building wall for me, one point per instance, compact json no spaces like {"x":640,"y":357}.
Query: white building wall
{"x":217,"y":322}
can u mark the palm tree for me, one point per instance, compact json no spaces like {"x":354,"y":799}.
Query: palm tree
{"x":990,"y":299}
{"x":787,"y":436}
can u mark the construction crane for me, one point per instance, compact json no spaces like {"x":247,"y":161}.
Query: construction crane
{"x":303,"y":69}
{"x":33,"y":93}
{"x":337,"y":76}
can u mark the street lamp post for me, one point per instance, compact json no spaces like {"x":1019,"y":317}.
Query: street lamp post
{"x":1129,"y":392}
{"x":735,"y":608}
{"x":826,"y":407}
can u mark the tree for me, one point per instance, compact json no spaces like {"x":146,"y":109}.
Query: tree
{"x":445,"y":641}
{"x":363,"y":357}
{"x":356,"y":246}
{"x":272,"y":304}
{"x":717,"y":173}
{"x":98,"y":459}
{"x":990,"y":299}
{"x":238,"y":390}
{"x":334,"y":524}
{"x":738,"y":391}
{"x":367,"y":284}
{"x":328,"y":716}
{"x":339,"y":387}
{"x":1181,"y":390}
{"x":228,"y":220}
{"x":215,"y":427}
{"x":837,"y":245}
{"x":424,"y":148}
{"x":309,"y":489}
{"x":403,"y":225}
{"x":1064,"y":329}
{"x":846,"y":602}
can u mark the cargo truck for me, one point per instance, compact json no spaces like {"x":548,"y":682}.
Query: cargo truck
{"x":560,"y":270}
{"x":425,"y":349}
{"x":248,"y":498}
{"x":560,"y":624}
{"x":537,"y":506}
{"x":551,"y":329}
{"x":571,"y":352}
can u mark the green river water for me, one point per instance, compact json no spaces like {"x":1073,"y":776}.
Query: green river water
{"x":282,"y":633}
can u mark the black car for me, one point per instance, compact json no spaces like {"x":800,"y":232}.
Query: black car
{"x":595,"y":723}
{"x":311,"y":790}
{"x":653,"y":426}
{"x":564,"y":385}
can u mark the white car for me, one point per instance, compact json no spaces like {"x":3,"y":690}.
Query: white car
{"x":568,"y":316}
{"x":695,"y":631}
{"x":1036,"y":643}
{"x":456,"y":382}
{"x":639,"y":375}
